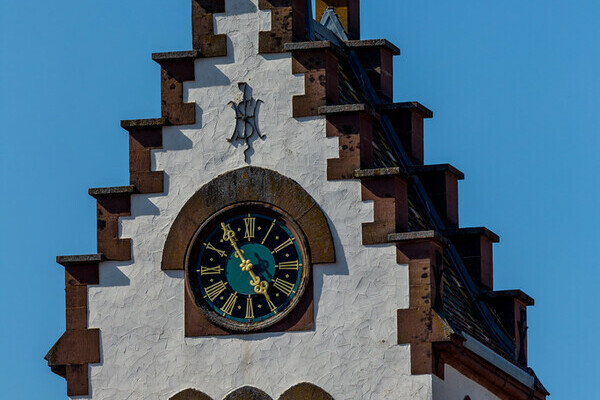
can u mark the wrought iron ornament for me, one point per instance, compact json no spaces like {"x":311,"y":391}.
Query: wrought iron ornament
{"x":246,"y":124}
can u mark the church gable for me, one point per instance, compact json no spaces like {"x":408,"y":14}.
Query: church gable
{"x":276,"y":123}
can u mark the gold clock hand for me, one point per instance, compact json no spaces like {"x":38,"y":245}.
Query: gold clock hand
{"x":229,"y":236}
{"x":246,"y":265}
{"x":262,"y":289}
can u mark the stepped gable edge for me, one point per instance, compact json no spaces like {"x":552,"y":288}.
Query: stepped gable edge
{"x":79,"y":346}
{"x":416,"y":208}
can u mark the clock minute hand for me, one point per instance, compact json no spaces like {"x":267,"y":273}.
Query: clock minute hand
{"x":229,"y":236}
{"x":246,"y":265}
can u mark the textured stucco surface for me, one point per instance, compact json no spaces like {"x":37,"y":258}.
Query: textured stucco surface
{"x":352,"y":353}
{"x":456,"y":386}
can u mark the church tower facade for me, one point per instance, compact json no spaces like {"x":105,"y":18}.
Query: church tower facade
{"x":281,"y":236}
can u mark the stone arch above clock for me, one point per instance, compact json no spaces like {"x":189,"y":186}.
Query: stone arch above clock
{"x":243,"y":185}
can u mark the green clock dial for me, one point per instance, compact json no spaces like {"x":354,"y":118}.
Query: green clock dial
{"x":247,"y":267}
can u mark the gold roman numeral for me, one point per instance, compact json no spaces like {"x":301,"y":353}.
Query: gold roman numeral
{"x":283,"y":245}
{"x":214,"y":290}
{"x":284,"y":286}
{"x":249,"y":309}
{"x":269,"y":231}
{"x":271,"y":305}
{"x":213,"y":248}
{"x":293,"y":265}
{"x":250,"y":225}
{"x":229,"y":304}
{"x":210,"y":270}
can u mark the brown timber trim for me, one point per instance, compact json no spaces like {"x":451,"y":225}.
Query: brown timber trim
{"x":112,"y":203}
{"x":78,"y":346}
{"x":204,"y":39}
{"x":353,"y":125}
{"x":288,"y":24}
{"x":319,"y":64}
{"x":469,"y":364}
{"x":176,"y":68}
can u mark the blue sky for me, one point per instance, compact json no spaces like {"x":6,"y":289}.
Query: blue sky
{"x":514,"y":87}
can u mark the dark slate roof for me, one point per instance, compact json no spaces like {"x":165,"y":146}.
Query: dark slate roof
{"x":462,"y":309}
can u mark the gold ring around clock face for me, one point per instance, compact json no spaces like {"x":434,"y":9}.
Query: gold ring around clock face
{"x":247,"y":266}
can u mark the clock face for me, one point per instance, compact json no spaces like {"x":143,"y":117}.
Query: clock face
{"x":247,"y":267}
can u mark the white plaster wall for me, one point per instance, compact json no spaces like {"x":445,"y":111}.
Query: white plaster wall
{"x":456,"y":386}
{"x":352,"y":353}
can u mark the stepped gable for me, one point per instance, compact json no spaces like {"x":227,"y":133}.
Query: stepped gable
{"x":416,"y":207}
{"x":80,"y":346}
{"x":453,"y":308}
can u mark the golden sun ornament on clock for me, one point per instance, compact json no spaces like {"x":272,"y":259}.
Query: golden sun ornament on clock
{"x":247,"y":266}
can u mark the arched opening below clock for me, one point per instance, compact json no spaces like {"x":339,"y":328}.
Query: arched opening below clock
{"x":304,"y":391}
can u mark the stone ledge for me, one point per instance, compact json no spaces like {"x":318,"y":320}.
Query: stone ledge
{"x":322,"y":44}
{"x":175,"y":55}
{"x":133,"y":124}
{"x":417,"y":169}
{"x":373,"y":43}
{"x":503,"y":294}
{"x":66,"y":261}
{"x":379,"y":172}
{"x":473,"y":231}
{"x":116,"y":191}
{"x":415,"y":236}
{"x":411,"y":105}
{"x":348,"y":108}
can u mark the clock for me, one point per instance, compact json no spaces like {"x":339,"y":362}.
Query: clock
{"x":247,"y":266}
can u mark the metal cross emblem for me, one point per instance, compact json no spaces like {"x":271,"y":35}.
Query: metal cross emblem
{"x":246,"y":125}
